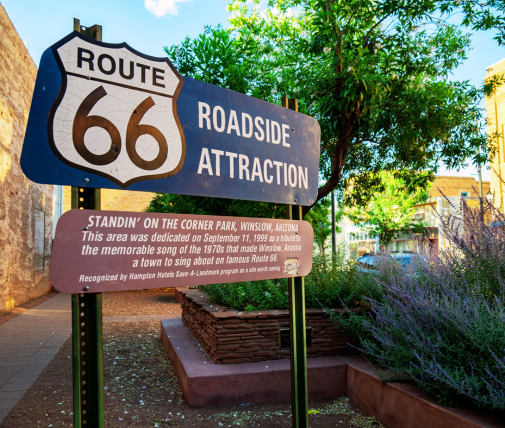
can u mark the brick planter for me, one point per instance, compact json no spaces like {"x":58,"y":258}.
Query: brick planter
{"x":233,"y":337}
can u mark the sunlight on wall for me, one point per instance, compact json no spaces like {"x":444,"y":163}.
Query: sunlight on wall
{"x":6,"y":129}
{"x":9,"y":304}
{"x":495,"y":114}
{"x":5,"y":165}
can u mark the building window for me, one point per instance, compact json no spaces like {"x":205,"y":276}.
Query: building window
{"x":464,"y":194}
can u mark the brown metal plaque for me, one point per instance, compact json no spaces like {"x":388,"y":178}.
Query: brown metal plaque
{"x":97,"y":251}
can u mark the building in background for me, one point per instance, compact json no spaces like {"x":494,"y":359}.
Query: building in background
{"x":495,"y":115}
{"x":457,"y":186}
{"x":358,"y":242}
{"x":26,"y":208}
{"x":115,"y":200}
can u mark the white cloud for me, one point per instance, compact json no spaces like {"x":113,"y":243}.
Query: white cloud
{"x":161,"y":8}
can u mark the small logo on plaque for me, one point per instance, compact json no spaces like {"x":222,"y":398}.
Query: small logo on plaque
{"x":292,"y":265}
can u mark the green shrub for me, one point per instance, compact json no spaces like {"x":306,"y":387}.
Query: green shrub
{"x":250,"y":295}
{"x":332,"y":283}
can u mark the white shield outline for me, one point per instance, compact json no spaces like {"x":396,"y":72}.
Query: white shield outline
{"x":61,"y":94}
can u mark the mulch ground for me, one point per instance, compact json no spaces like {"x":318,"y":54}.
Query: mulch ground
{"x":8,"y":315}
{"x":141,"y":388}
{"x":145,"y":302}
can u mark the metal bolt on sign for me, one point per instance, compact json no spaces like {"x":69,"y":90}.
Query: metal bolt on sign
{"x":87,"y":333}
{"x":296,"y":290}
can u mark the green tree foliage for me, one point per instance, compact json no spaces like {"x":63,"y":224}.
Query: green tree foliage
{"x":320,"y":219}
{"x":319,"y":216}
{"x":389,"y":213}
{"x":218,"y":58}
{"x":374,"y":73}
{"x":183,"y":204}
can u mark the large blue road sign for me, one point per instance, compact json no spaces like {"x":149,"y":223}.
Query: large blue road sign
{"x":106,"y":116}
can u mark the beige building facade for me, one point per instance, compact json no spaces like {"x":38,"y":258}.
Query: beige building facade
{"x":115,"y":200}
{"x":495,"y":115}
{"x":359,"y":242}
{"x":457,"y":186}
{"x":25,"y":207}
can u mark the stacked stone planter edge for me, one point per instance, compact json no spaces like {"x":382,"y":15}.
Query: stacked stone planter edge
{"x":233,"y":337}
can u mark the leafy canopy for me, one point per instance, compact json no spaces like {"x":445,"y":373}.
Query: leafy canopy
{"x":374,"y":73}
{"x":182,"y":204}
{"x":390,"y":213}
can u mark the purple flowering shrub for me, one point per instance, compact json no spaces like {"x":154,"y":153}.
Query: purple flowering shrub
{"x":442,"y":322}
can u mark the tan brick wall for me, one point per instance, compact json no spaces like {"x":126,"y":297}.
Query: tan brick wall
{"x":495,"y":114}
{"x":116,"y":200}
{"x":453,"y":186}
{"x":20,"y":277}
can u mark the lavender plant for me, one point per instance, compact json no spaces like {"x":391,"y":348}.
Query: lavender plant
{"x":443,"y":323}
{"x":476,"y":255}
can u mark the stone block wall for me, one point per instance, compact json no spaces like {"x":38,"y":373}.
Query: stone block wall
{"x":233,"y":337}
{"x":25,"y":207}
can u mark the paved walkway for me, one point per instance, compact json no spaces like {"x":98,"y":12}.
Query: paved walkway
{"x":134,"y":318}
{"x":27,"y":343}
{"x":30,"y":340}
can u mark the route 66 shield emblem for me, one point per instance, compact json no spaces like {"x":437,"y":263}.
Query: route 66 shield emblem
{"x":116,"y":112}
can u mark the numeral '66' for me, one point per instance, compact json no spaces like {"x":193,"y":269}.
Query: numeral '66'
{"x":82,"y":122}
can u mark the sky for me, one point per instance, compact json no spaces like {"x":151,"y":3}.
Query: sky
{"x":149,"y":25}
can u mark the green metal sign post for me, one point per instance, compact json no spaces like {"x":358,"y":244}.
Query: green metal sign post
{"x":87,"y":333}
{"x":296,"y":290}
